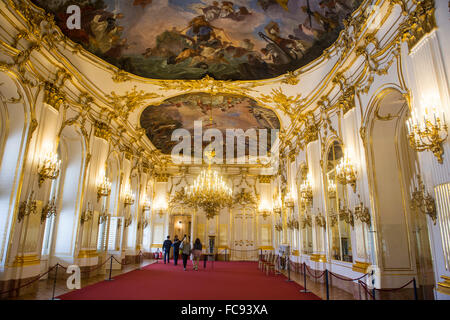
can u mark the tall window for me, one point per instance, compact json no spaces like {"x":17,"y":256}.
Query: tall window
{"x":339,"y":228}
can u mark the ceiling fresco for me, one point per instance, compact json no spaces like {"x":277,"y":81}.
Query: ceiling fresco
{"x":189,"y":39}
{"x":228,"y":112}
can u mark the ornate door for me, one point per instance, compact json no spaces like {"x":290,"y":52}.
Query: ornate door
{"x":244,"y":235}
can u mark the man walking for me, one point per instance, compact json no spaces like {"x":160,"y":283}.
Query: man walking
{"x":176,"y":249}
{"x":166,"y":248}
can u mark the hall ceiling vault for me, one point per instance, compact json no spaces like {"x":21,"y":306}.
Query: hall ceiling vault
{"x":87,"y":87}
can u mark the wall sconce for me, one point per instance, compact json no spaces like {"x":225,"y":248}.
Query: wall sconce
{"x":129,"y":197}
{"x":103,"y":216}
{"x":128,"y":221}
{"x":87,"y":214}
{"x":306,"y":221}
{"x":292,"y":223}
{"x":289,"y":201}
{"x":49,"y":167}
{"x":104,"y":189}
{"x":146,"y":205}
{"x":306,"y":192}
{"x":49,"y":210}
{"x":27,"y":207}
{"x":346,"y":173}
{"x":423,"y":201}
{"x":362,"y":213}
{"x":279,"y":227}
{"x":429,"y":134}
{"x":320,"y":220}
{"x":332,"y":189}
{"x":345,"y":214}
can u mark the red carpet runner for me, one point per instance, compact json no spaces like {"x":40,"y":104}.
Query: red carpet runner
{"x":226,"y":281}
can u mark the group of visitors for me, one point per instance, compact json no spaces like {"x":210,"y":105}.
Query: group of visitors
{"x":184,"y":247}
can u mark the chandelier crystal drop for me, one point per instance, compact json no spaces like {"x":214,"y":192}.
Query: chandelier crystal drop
{"x":209,"y":192}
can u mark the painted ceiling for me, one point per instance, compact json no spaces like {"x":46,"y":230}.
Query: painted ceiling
{"x":189,"y":39}
{"x":228,"y":112}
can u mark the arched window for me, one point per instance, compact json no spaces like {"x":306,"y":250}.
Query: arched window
{"x":339,"y":228}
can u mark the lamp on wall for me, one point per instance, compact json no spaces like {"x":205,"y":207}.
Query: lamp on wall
{"x":146,"y":204}
{"x":306,"y":192}
{"x":49,"y":167}
{"x":104,"y":188}
{"x":49,"y":210}
{"x":264,"y":210}
{"x":346,"y":172}
{"x":428,"y":134}
{"x":87,"y":214}
{"x":332,"y":189}
{"x":289,"y":201}
{"x":27,"y":207}
{"x":422,"y":200}
{"x":129,"y":197}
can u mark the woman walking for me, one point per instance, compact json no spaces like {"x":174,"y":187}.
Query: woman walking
{"x":185,"y":251}
{"x":197,"y":252}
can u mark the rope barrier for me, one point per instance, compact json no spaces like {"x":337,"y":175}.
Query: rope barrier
{"x":27,"y":284}
{"x":65,"y":268}
{"x":314,"y":276}
{"x":365,"y":288}
{"x":344,"y":279}
{"x":395,"y":289}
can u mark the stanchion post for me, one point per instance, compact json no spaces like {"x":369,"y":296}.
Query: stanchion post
{"x":289,"y":270}
{"x":304,"y":278}
{"x":373,"y":286}
{"x":327,"y":285}
{"x":110,"y":269}
{"x":415,"y":289}
{"x":54,"y":281}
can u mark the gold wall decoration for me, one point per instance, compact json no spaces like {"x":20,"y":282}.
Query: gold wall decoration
{"x":290,"y":78}
{"x":320,"y":220}
{"x":27,"y":207}
{"x":347,"y":100}
{"x":207,"y":84}
{"x":419,"y":23}
{"x":130,"y":101}
{"x":423,"y":201}
{"x":120,"y":76}
{"x":102,"y":130}
{"x":290,"y":105}
{"x":265,"y":179}
{"x":49,"y":210}
{"x":362,"y":213}
{"x":53,"y":96}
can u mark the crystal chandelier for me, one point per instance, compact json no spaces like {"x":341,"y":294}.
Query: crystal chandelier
{"x":209,"y":192}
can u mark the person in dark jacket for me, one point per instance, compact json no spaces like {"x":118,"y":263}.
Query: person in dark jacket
{"x":176,"y":249}
{"x":197,"y":252}
{"x":166,"y":248}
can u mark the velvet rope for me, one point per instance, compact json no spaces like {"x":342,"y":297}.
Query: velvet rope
{"x":365,"y":288}
{"x":335,"y":275}
{"x":28,"y":283}
{"x":307,"y":269}
{"x":395,"y":289}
